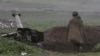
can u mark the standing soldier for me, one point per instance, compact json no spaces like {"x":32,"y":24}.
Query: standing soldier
{"x":76,"y":32}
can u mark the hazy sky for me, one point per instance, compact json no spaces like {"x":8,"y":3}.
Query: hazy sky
{"x":80,"y":5}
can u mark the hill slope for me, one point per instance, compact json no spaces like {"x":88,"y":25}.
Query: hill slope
{"x":10,"y":47}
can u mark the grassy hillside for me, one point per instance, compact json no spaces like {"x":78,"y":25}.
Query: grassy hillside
{"x":40,"y":20}
{"x":10,"y":47}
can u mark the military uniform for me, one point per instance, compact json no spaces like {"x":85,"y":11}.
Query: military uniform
{"x":76,"y":31}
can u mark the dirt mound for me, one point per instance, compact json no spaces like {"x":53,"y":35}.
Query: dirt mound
{"x":56,"y":39}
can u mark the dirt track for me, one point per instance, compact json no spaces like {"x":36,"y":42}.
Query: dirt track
{"x":56,"y":39}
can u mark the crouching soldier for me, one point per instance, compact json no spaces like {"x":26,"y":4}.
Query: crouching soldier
{"x":76,"y":34}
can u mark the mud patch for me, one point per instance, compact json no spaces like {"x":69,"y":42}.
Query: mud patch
{"x":55,"y":39}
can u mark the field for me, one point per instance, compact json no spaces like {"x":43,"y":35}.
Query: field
{"x":43,"y":20}
{"x":11,"y":47}
{"x":40,"y":20}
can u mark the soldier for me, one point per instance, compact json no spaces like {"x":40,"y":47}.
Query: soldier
{"x":76,"y":34}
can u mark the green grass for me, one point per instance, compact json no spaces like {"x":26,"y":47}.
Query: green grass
{"x":10,"y":47}
{"x":2,"y":31}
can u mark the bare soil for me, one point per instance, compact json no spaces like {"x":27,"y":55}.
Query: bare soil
{"x":56,"y":39}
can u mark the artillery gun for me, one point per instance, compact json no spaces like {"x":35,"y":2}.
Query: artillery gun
{"x":24,"y":34}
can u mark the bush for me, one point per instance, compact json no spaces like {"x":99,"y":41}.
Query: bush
{"x":96,"y":48}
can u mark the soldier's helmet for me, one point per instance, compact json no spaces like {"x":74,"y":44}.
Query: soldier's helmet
{"x":75,"y":13}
